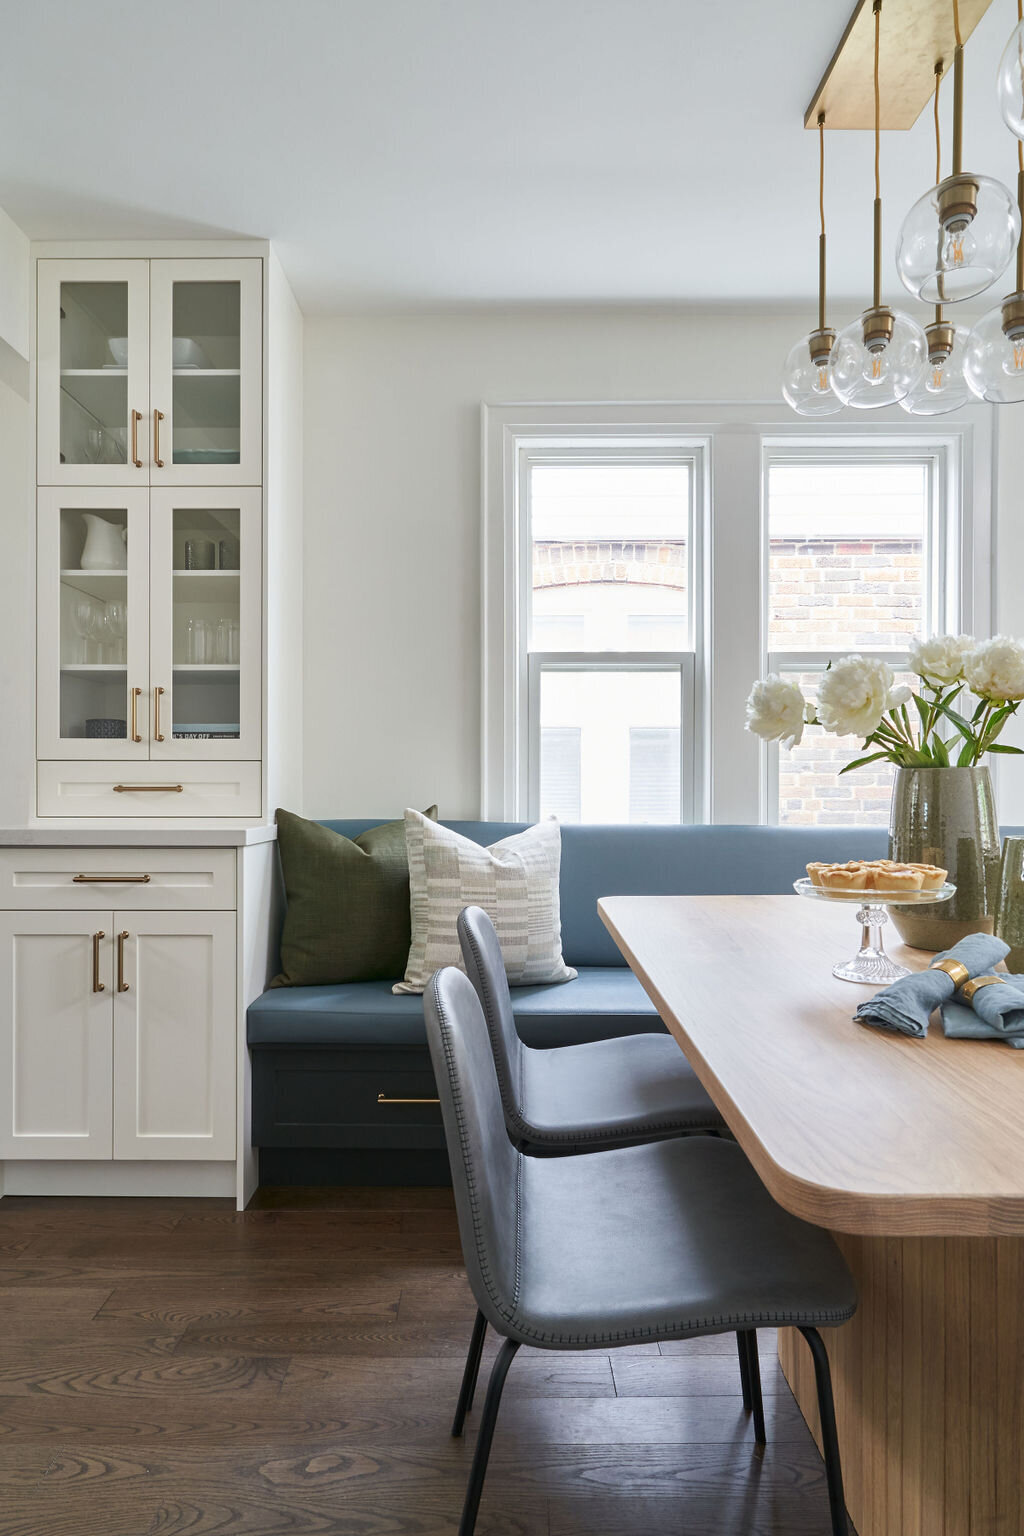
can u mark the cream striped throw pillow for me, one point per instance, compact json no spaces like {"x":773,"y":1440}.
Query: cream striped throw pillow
{"x":516,"y":883}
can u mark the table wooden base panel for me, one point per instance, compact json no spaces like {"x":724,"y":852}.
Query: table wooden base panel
{"x":929,"y":1381}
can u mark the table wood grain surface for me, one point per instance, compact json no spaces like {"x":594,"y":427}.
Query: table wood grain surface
{"x":850,"y":1127}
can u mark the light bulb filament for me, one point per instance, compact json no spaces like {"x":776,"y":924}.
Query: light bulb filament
{"x":937,"y":378}
{"x":955,"y":250}
{"x":1018,"y":355}
{"x":876,"y":365}
{"x":823,"y":380}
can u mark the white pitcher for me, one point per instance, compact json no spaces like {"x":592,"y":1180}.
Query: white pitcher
{"x":105,"y":545}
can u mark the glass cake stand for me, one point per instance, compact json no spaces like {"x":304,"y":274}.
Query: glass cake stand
{"x":871,"y":963}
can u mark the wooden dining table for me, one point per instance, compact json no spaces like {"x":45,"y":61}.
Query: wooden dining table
{"x":911,"y":1152}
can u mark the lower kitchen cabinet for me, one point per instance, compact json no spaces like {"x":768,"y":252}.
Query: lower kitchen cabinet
{"x":117,"y":1035}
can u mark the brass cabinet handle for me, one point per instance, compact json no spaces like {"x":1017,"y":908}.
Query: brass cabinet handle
{"x":148,"y":789}
{"x":136,"y":418}
{"x":158,"y":694}
{"x":158,"y":417}
{"x":97,"y":985}
{"x":136,"y":695}
{"x":382,"y":1098}
{"x":111,"y":880}
{"x":122,"y":985}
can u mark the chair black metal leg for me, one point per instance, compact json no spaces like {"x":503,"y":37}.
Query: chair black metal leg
{"x":469,"y":1375}
{"x":829,"y":1436}
{"x":485,"y":1434}
{"x":754,"y":1381}
{"x":741,"y":1349}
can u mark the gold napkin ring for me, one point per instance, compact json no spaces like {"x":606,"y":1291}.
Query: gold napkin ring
{"x":955,"y":969}
{"x":969,"y":988}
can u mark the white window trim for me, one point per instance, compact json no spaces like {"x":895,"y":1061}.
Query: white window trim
{"x":730,"y":773}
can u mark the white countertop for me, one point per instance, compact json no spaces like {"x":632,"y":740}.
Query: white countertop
{"x":101,"y":834}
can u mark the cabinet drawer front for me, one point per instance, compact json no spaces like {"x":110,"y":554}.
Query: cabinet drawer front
{"x":149,"y":789}
{"x":345,"y":1099}
{"x":97,"y":879}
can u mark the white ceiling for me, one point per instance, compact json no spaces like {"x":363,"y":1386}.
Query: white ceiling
{"x":424,"y":152}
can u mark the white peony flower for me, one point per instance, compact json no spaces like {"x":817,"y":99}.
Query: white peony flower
{"x":854,"y":695}
{"x":941,"y":659}
{"x":995,"y":669}
{"x":776,"y":711}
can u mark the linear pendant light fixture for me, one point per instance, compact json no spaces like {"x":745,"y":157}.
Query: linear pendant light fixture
{"x":878,"y":358}
{"x":807,"y":374}
{"x":959,"y":238}
{"x":942,"y":385}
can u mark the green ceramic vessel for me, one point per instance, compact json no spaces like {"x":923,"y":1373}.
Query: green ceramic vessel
{"x":1010,"y":913}
{"x":947,"y":816}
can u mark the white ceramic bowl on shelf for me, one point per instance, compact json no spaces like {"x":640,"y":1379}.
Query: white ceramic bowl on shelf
{"x":119,"y":350}
{"x":186,"y":353}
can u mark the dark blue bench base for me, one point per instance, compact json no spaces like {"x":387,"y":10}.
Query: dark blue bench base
{"x":353,"y":1165}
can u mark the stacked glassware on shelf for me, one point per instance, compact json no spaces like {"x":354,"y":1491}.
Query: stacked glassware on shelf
{"x":955,"y":243}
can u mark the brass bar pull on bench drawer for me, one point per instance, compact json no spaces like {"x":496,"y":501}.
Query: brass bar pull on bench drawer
{"x":382,"y":1098}
{"x":111,"y":879}
{"x":150,"y":789}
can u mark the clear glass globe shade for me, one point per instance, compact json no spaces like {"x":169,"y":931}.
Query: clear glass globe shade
{"x":867,"y":380}
{"x":942,"y":387}
{"x":943,"y":266}
{"x":1010,"y":82}
{"x":993,"y":364}
{"x":806,"y":386}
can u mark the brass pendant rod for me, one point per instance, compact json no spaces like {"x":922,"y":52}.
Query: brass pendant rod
{"x":821,"y":211}
{"x":938,"y":178}
{"x":877,"y":277}
{"x":958,"y":110}
{"x":1020,"y":205}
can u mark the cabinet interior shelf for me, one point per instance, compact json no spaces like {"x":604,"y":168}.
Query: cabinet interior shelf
{"x":90,"y":668}
{"x":102,"y":585}
{"x":206,"y":668}
{"x":94,"y":373}
{"x":207,"y":373}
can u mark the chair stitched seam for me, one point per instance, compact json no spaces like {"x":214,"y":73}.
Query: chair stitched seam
{"x":636,"y":1127}
{"x":516,"y":1110}
{"x":725,"y":1323}
{"x":486,"y":1273}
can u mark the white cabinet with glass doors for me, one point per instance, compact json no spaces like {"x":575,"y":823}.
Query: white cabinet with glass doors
{"x":149,"y":372}
{"x":150,"y":630}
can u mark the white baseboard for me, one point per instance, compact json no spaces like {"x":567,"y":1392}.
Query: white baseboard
{"x":203,"y":1180}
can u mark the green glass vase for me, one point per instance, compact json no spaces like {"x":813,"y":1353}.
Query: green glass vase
{"x":1010,"y":912}
{"x":947,"y":816}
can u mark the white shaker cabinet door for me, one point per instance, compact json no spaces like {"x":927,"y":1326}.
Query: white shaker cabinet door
{"x":174,"y":1035}
{"x":55,"y":1028}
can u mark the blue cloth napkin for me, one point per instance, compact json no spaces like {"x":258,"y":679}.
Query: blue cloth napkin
{"x":907,"y":1005}
{"x":994,"y":1013}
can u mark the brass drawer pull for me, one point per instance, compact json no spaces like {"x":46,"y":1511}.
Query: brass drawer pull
{"x":158,"y":694}
{"x":136,"y":418}
{"x":111,"y":879}
{"x":136,"y":694}
{"x":158,"y":417}
{"x":149,"y":789}
{"x":122,"y":985}
{"x":97,"y":985}
{"x":382,"y":1098}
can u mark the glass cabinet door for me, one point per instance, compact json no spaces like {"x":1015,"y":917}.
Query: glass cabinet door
{"x":93,"y":642}
{"x":93,"y":384}
{"x":206,"y":381}
{"x":206,"y":636}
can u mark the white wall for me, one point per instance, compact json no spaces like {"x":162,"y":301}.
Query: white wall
{"x":17,"y":533}
{"x":392,"y":520}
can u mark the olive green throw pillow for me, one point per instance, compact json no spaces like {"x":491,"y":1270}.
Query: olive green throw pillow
{"x":348,"y":903}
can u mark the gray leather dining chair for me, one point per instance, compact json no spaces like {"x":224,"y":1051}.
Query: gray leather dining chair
{"x":580,"y":1098}
{"x":660,"y":1241}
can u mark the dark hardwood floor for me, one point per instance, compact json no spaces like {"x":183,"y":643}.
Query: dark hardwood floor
{"x":170,"y":1366}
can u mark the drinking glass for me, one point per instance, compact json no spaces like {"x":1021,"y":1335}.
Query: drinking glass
{"x":197,"y":642}
{"x":220,"y":641}
{"x":116,"y":624}
{"x":1010,"y":911}
{"x":233,"y":651}
{"x":81,"y":618}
